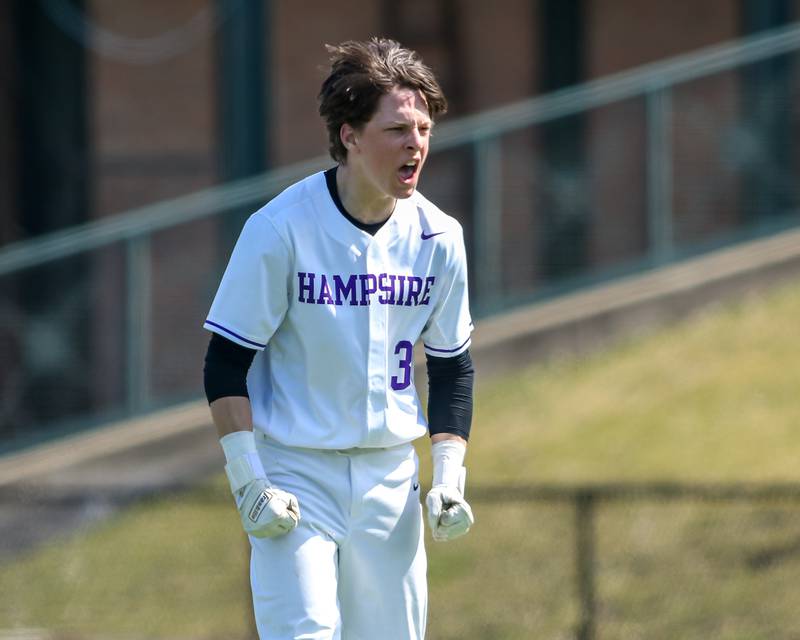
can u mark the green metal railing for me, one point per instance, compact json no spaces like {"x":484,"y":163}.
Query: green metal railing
{"x":480,"y":136}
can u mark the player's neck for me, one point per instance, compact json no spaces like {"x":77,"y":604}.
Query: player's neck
{"x":360,"y":199}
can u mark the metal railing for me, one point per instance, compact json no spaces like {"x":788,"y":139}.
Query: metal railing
{"x":480,"y":138}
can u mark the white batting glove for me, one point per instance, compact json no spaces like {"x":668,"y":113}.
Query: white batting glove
{"x":449,"y":515}
{"x":265,"y":511}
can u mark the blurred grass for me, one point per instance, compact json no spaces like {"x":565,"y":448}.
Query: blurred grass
{"x":712,"y":399}
{"x":167,"y":568}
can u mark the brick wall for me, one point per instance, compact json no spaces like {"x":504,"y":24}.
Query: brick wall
{"x":153,"y":123}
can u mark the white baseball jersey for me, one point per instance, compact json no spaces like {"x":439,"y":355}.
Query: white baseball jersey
{"x":335,"y":313}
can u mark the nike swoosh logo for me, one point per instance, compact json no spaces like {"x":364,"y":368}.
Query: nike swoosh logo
{"x":428,"y":236}
{"x":416,"y":485}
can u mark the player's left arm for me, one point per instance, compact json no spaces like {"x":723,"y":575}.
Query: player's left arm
{"x":450,"y":378}
{"x":450,"y":387}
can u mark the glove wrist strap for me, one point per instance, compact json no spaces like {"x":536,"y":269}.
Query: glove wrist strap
{"x":243,"y":470}
{"x":448,"y":462}
{"x":243,"y":465}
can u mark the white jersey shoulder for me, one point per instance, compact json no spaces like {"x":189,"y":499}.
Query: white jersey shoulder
{"x":251,"y":302}
{"x":292,"y":205}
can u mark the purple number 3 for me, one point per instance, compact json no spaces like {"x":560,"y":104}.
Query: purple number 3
{"x":398,"y":384}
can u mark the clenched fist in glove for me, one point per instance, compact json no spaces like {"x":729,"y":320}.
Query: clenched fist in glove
{"x":266,"y":511}
{"x":449,"y":515}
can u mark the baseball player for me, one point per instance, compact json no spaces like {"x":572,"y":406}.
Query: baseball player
{"x":309,"y":370}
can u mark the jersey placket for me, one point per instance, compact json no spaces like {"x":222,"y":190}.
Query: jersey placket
{"x":378,"y":348}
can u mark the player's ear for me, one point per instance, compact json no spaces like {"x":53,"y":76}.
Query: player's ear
{"x":347,"y":134}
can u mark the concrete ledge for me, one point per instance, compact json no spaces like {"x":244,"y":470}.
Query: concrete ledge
{"x":53,"y":457}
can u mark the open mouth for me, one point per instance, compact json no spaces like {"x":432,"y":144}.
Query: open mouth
{"x":408,"y":170}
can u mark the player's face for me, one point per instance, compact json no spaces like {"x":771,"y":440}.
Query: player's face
{"x":386,"y":155}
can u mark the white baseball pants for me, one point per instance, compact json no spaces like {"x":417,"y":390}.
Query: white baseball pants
{"x":355,"y":567}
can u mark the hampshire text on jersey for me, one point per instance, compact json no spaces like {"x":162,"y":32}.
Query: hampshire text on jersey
{"x":362,"y":288}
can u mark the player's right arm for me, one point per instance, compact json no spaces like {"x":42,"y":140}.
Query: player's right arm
{"x":265,"y":510}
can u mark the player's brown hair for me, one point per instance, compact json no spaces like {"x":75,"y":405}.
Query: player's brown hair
{"x":363,"y":71}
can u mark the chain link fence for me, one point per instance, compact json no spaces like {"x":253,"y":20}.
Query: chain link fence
{"x":589,"y":562}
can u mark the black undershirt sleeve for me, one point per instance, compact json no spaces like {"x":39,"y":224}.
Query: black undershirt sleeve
{"x":225,"y":370}
{"x":450,"y":382}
